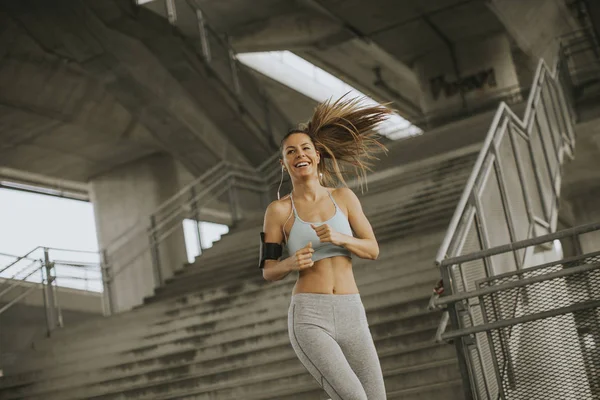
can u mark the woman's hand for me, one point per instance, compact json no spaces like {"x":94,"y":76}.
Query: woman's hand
{"x":326,"y":234}
{"x":303,"y":258}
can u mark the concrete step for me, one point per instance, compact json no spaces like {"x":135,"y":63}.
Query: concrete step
{"x":381,"y":214}
{"x":286,"y":381}
{"x":218,"y":331}
{"x":225,"y":299}
{"x":249,"y":261}
{"x":127,"y":376}
{"x":227,"y":370}
{"x":372,"y":296}
{"x":383,"y":217}
{"x":253,"y":274}
{"x":449,"y":390}
{"x":401,"y":196}
{"x":419,"y":173}
{"x":452,"y":178}
{"x":187,"y":282}
{"x":386,"y":249}
{"x":103,"y":352}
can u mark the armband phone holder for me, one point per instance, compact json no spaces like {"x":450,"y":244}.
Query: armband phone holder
{"x":268,"y":251}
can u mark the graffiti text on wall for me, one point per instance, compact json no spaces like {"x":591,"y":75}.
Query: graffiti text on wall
{"x":464,"y":85}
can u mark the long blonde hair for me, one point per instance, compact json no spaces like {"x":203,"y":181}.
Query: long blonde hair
{"x":344,"y":134}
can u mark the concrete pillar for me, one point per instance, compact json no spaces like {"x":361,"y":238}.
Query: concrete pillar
{"x":470,"y":77}
{"x":124,"y":197}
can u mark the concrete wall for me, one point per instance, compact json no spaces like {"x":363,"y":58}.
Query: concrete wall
{"x":123,"y":198}
{"x":463,"y":78}
{"x":25,"y":322}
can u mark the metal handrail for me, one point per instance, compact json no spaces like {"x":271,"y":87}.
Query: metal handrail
{"x":510,"y":247}
{"x":455,"y":298}
{"x":477,"y":169}
{"x":18,"y":258}
{"x":219,"y":168}
{"x":142,"y":223}
{"x":547,"y":124}
{"x":521,"y":244}
{"x":49,"y":280}
{"x":163,"y":222}
{"x":505,"y":286}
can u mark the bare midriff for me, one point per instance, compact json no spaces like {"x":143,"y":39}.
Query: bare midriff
{"x":327,"y":276}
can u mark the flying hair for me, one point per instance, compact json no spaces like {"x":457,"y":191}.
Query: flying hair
{"x":344,"y":132}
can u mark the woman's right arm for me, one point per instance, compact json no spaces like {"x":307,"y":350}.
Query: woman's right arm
{"x":275,"y":270}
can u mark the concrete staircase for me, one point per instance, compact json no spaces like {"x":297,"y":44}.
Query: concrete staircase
{"x":217,"y":330}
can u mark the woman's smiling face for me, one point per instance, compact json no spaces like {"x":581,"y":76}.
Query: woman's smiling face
{"x":300,"y":157}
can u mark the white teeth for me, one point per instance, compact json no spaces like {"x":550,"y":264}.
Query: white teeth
{"x":302,"y":164}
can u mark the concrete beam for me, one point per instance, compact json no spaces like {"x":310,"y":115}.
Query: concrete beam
{"x":296,"y":31}
{"x":43,"y":184}
{"x":365,"y":66}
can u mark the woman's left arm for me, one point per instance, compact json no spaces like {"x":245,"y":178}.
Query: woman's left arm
{"x":364,"y":244}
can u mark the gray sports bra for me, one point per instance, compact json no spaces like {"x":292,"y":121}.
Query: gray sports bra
{"x":302,"y":233}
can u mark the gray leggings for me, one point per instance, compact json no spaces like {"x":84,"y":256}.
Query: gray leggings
{"x":330,"y":335}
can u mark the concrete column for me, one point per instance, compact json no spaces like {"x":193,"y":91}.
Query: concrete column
{"x":123,"y":198}
{"x":469,"y":77}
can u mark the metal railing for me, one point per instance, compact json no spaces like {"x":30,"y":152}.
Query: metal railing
{"x":538,"y":335}
{"x":511,"y":195}
{"x":44,"y":268}
{"x":217,"y":187}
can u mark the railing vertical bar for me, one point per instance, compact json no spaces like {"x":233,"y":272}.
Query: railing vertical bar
{"x":536,"y":171}
{"x":458,"y":344}
{"x":51,"y":301}
{"x":171,"y":11}
{"x":462,"y":203}
{"x":155,"y":253}
{"x":204,"y":44}
{"x":508,"y":213}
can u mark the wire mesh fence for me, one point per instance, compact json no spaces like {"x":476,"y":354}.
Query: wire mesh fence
{"x":552,"y":350}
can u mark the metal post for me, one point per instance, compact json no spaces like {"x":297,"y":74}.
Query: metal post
{"x":234,"y":69}
{"x":59,"y":316}
{"x":45,"y":298}
{"x":50,"y":300}
{"x":106,"y":283}
{"x":458,"y":344}
{"x":196,"y":214}
{"x":171,"y":11}
{"x":155,"y":253}
{"x":203,"y":36}
{"x":233,"y":203}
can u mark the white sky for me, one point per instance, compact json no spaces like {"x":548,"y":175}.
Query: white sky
{"x":29,"y":220}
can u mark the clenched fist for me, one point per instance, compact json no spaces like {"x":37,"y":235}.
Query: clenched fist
{"x":303,"y":258}
{"x":326,"y":234}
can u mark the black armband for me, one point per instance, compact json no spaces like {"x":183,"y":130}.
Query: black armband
{"x":268,"y":251}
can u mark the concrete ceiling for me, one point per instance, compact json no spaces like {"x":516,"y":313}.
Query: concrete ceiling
{"x":371,"y":45}
{"x":87,"y":86}
{"x":57,"y":120}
